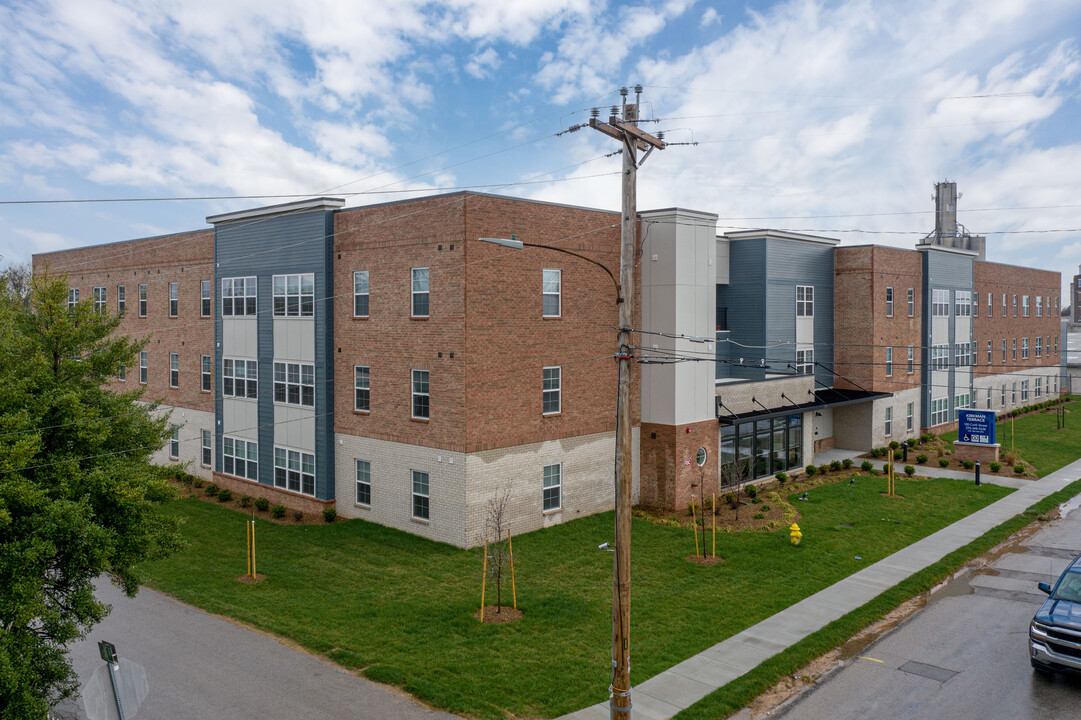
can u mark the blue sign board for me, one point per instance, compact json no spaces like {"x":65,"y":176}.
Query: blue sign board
{"x":976,"y":426}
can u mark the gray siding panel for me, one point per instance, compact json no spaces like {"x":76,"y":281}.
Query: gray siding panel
{"x":953,"y":272}
{"x":791,"y":263}
{"x":744,"y":297}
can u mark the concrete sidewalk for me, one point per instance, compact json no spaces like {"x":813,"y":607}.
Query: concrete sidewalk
{"x":688,"y":682}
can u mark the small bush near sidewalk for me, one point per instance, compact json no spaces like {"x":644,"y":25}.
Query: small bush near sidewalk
{"x":943,"y":462}
{"x":921,"y":458}
{"x":910,"y":470}
{"x":996,"y":466}
{"x":846,"y":463}
{"x":866,"y":465}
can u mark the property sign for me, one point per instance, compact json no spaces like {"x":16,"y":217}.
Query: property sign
{"x":976,"y":426}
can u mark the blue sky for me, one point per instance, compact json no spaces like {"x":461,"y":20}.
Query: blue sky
{"x":803,"y":110}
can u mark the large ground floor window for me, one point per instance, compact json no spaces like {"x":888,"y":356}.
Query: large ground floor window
{"x":761,"y":448}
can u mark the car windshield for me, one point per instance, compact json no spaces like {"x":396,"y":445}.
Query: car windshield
{"x":1069,"y":588}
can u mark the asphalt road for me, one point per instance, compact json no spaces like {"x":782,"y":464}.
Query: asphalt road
{"x":965,"y":655}
{"x":200,"y":666}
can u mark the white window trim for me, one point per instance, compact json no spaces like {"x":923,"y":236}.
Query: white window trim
{"x":285,"y":294}
{"x":144,"y":364}
{"x":558,"y":294}
{"x":413,"y":495}
{"x":367,"y":294}
{"x":286,"y":384}
{"x":205,"y":445}
{"x":356,"y":483}
{"x":206,"y":299}
{"x":174,"y":370}
{"x":121,"y":300}
{"x":234,"y":440}
{"x":413,"y":394}
{"x":234,"y":377}
{"x":807,"y":303}
{"x":414,"y":292}
{"x":174,"y":299}
{"x":558,"y":486}
{"x":356,"y":387}
{"x":142,"y":299}
{"x":889,"y":362}
{"x":558,"y":391}
{"x":889,"y":302}
{"x":206,"y":370}
{"x":302,"y":455}
{"x":250,"y":283}
{"x":174,"y":442}
{"x":911,"y":302}
{"x":101,"y":298}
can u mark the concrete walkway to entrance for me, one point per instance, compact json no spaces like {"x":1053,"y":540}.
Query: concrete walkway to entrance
{"x":688,"y":682}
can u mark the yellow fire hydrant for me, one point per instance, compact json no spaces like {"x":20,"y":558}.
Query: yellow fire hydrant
{"x":794,"y":534}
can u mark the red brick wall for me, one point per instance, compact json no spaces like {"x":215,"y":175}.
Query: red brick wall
{"x":1012,"y":280}
{"x":185,"y":258}
{"x":670,"y":472}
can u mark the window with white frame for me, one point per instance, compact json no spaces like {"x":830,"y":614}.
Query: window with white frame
{"x":174,"y":299}
{"x":988,"y":398}
{"x":294,"y":295}
{"x":1015,"y":306}
{"x":174,"y":370}
{"x":940,"y":410}
{"x":73,"y":297}
{"x":361,"y":293}
{"x":142,"y":299}
{"x":1039,"y":306}
{"x":1013,"y":393}
{"x":961,"y":402}
{"x":421,"y":507}
{"x":1056,"y":344}
{"x":421,"y":287}
{"x":1037,"y":388}
{"x":990,"y":304}
{"x":238,"y":296}
{"x":206,"y":297}
{"x":551,"y":390}
{"x":122,"y":372}
{"x":989,"y":351}
{"x":205,"y":372}
{"x":142,"y":367}
{"x":121,"y":300}
{"x":940,"y":303}
{"x":553,"y":487}
{"x":962,"y":354}
{"x":207,"y":454}
{"x":908,"y":416}
{"x":1004,"y":351}
{"x":1024,"y":306}
{"x":1024,"y":390}
{"x":805,"y":301}
{"x":975,"y":304}
{"x":294,"y":384}
{"x":364,"y":482}
{"x":99,"y":300}
{"x":888,"y":428}
{"x":911,"y":359}
{"x":1004,"y":313}
{"x":1014,"y":351}
{"x":420,"y":392}
{"x":911,"y":302}
{"x":1003,"y":395}
{"x":240,"y":378}
{"x":362,"y":388}
{"x":1024,"y":348}
{"x":1039,"y":346}
{"x":805,"y":361}
{"x":940,"y":357}
{"x":962,"y":303}
{"x":889,"y":302}
{"x":240,"y":458}
{"x":174,"y":442}
{"x":551,"y":292}
{"x":294,"y":470}
{"x":889,"y":362}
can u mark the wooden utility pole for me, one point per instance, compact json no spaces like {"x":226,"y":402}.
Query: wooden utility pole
{"x":625,"y":129}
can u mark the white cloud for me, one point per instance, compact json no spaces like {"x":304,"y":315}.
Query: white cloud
{"x":709,"y":18}
{"x":483,"y":64}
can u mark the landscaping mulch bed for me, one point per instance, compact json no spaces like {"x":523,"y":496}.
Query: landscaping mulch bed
{"x":708,"y":560}
{"x":188,"y":491}
{"x":729,"y":519}
{"x":249,"y":580}
{"x":494,"y":615}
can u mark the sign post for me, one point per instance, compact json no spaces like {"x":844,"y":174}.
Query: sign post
{"x":976,"y":435}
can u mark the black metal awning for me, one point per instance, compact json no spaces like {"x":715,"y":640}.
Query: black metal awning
{"x":823,"y":398}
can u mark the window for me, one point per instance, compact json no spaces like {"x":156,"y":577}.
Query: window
{"x":420,"y":394}
{"x":975,"y":304}
{"x":551,"y":291}
{"x":1024,"y":306}
{"x":206,"y":298}
{"x":940,"y":410}
{"x":240,"y":458}
{"x":421,"y":508}
{"x":889,"y":422}
{"x":1039,"y":347}
{"x":294,"y":384}
{"x":1004,"y":395}
{"x":121,"y":300}
{"x":988,"y":352}
{"x":420,"y":292}
{"x":174,"y":370}
{"x":805,"y":361}
{"x":908,"y":417}
{"x":940,"y":357}
{"x":805,"y":301}
{"x":364,"y":482}
{"x":142,"y":367}
{"x":362,"y":390}
{"x":174,"y":442}
{"x":962,"y":303}
{"x":889,"y":362}
{"x":1014,"y":357}
{"x":99,"y":300}
{"x":551,"y":390}
{"x":238,"y":296}
{"x":990,"y":308}
{"x":294,"y":295}
{"x":911,"y":302}
{"x":205,"y":370}
{"x":174,"y":299}
{"x":988,"y":398}
{"x":553,"y":485}
{"x":1015,"y":306}
{"x":294,"y":470}
{"x":1024,"y":348}
{"x":1056,"y":344}
{"x":122,"y":373}
{"x":1024,"y":390}
{"x":207,"y":454}
{"x":73,"y":297}
{"x":360,"y":294}
{"x":962,"y":354}
{"x":1013,"y":393}
{"x":1003,"y":351}
{"x":1039,"y":306}
{"x":889,"y":302}
{"x":1003,"y":304}
{"x":940,"y":303}
{"x":961,"y":402}
{"x":911,"y":359}
{"x":239,"y":378}
{"x":142,"y":300}
{"x":1038,"y":387}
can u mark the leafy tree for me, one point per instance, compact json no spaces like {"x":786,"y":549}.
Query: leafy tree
{"x":78,"y":495}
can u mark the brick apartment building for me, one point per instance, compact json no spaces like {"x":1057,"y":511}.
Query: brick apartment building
{"x":392,"y":361}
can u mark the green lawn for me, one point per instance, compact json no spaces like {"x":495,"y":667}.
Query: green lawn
{"x":401,"y":607}
{"x":1037,"y":440}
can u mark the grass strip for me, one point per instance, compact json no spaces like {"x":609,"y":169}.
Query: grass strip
{"x":741,"y":691}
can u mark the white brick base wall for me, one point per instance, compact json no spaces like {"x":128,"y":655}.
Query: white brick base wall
{"x":192,"y":423}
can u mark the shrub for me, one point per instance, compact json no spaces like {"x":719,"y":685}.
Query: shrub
{"x":765,"y":508}
{"x":968,"y":464}
{"x":197,"y":482}
{"x":811,"y":470}
{"x":261,"y":504}
{"x":245,"y":501}
{"x":278,"y":511}
{"x":926,"y":437}
{"x":782,"y":477}
{"x":835,"y":465}
{"x":298,"y":515}
{"x":921,"y":458}
{"x":876,"y":452}
{"x":911,"y":442}
{"x":894,"y":445}
{"x":225,"y":495}
{"x":866,"y":465}
{"x":886,"y":468}
{"x":184,"y":477}
{"x":759,"y":516}
{"x":910,"y":470}
{"x":996,"y":466}
{"x":943,"y":462}
{"x":1019,"y":469}
{"x":211,"y":489}
{"x":846,"y":463}
{"x":751,"y":490}
{"x":730,"y":498}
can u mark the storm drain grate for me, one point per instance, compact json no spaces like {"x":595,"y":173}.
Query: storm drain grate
{"x":927,"y":671}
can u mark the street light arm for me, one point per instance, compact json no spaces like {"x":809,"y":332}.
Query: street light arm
{"x":619,"y":291}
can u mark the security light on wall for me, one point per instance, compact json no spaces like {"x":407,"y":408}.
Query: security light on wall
{"x":514,"y":242}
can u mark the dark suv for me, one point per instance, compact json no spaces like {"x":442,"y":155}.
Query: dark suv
{"x":1055,"y":633}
